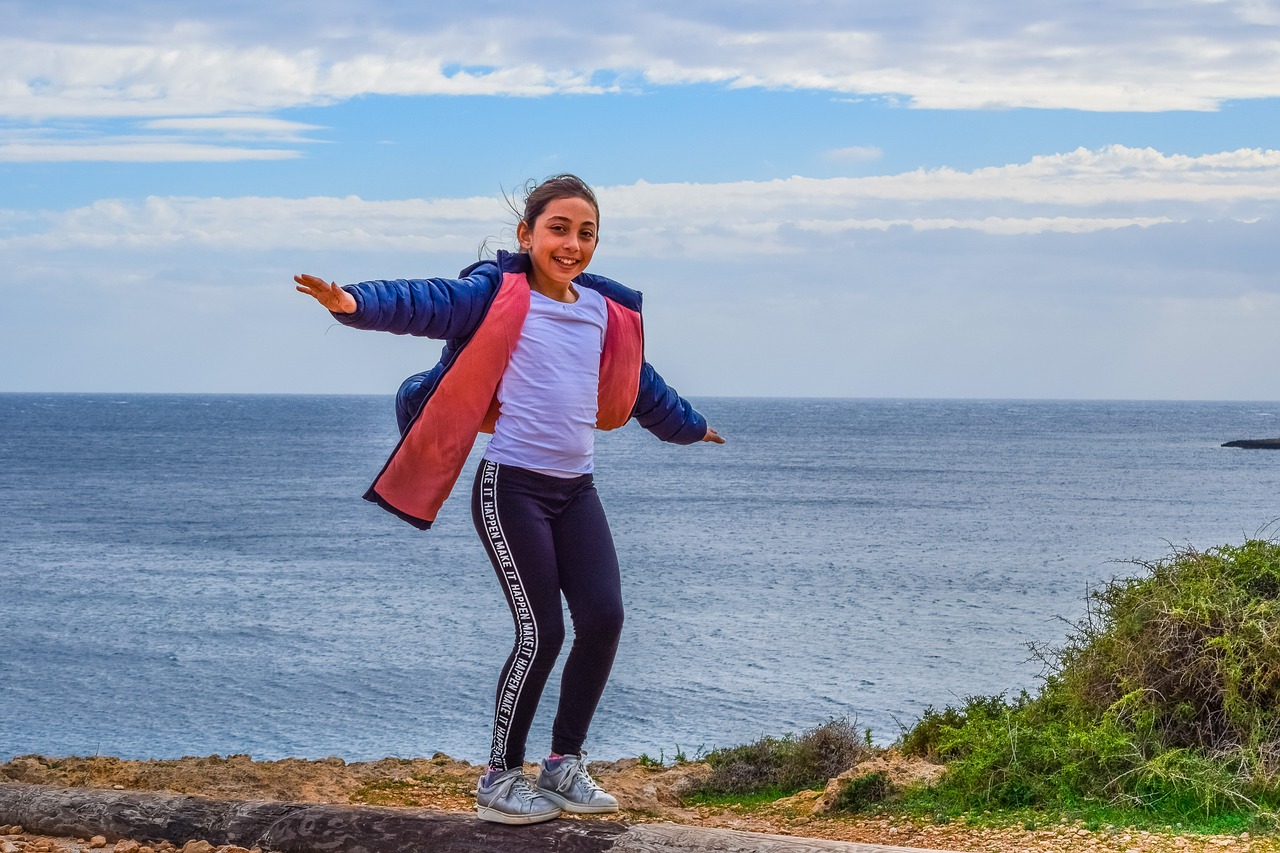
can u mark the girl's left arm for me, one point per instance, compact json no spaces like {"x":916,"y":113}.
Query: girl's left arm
{"x":666,"y":414}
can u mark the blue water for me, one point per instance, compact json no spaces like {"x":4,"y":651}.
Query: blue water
{"x":189,"y":575}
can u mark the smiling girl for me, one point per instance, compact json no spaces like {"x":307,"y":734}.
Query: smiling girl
{"x":539,"y":353}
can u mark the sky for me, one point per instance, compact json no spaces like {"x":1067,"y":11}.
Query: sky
{"x":994,"y":199}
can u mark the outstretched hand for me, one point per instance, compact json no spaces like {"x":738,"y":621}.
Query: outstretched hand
{"x":327,"y":293}
{"x":713,"y":436}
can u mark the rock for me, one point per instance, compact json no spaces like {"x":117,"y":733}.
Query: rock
{"x":800,"y":802}
{"x":30,"y":769}
{"x":901,"y":771}
{"x":648,"y":788}
{"x":127,"y":846}
{"x":1255,"y":443}
{"x":231,"y":848}
{"x":9,"y":847}
{"x":197,"y":845}
{"x":97,"y":842}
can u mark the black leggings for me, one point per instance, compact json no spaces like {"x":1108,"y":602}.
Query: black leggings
{"x":547,"y":535}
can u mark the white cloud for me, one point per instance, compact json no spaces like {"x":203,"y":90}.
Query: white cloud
{"x":263,"y":224}
{"x":1080,"y":274}
{"x":1075,"y":193}
{"x":184,"y":75}
{"x":135,"y":151}
{"x":855,"y":154}
{"x":238,"y":126}
{"x":1126,"y":55}
{"x":987,"y":225}
{"x":215,"y":139}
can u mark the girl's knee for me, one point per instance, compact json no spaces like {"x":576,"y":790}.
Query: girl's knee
{"x":541,"y":638}
{"x":600,"y":625}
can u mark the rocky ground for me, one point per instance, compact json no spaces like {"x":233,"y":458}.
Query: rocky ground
{"x":647,"y":794}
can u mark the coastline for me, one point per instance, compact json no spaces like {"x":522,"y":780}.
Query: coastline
{"x":648,"y":793}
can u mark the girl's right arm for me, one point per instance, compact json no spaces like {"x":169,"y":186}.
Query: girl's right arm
{"x":434,"y":307}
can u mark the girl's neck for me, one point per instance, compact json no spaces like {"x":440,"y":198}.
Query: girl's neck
{"x":553,"y":290}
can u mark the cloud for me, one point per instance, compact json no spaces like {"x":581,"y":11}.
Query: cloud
{"x":182,"y":74}
{"x":135,"y":151}
{"x":239,"y":127}
{"x":1079,"y":192}
{"x":260,"y":224}
{"x":1110,"y":272}
{"x":855,"y":154}
{"x":1127,"y":55}
{"x":217,"y":139}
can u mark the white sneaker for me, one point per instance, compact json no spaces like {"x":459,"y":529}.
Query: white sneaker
{"x":512,"y":798}
{"x":571,"y":787}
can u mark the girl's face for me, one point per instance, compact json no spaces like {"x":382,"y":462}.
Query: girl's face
{"x":560,"y":243}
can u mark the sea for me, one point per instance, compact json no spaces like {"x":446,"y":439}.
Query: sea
{"x":198,"y":575}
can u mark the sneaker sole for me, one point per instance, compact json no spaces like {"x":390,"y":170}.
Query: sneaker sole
{"x":575,"y":808}
{"x":494,"y":816}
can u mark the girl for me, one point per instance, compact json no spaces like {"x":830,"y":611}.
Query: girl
{"x":540,"y":353}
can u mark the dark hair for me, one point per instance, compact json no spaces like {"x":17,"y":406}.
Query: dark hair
{"x":538,"y":196}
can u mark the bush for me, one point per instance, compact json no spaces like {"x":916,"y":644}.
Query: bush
{"x":864,"y":792}
{"x":1165,"y":697}
{"x":785,"y":765}
{"x":1191,"y":651}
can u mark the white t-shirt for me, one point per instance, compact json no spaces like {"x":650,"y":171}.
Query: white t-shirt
{"x":549,"y":392}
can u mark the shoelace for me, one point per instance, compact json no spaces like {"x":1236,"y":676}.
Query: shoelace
{"x":578,"y":773}
{"x":525,"y":792}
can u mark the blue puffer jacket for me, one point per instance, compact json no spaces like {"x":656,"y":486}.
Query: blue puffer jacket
{"x":456,"y":310}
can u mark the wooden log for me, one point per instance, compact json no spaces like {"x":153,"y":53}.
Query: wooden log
{"x":320,"y":828}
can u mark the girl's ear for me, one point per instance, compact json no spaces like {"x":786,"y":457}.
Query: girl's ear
{"x":523,"y":236}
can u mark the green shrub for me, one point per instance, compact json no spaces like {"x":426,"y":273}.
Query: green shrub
{"x":864,"y":792}
{"x":1191,"y":650}
{"x":1165,"y":697}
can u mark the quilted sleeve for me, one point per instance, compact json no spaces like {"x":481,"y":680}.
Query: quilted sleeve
{"x":440,"y":308}
{"x":665,"y":413}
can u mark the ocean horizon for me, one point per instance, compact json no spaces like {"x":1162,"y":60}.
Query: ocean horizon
{"x":194,"y":574}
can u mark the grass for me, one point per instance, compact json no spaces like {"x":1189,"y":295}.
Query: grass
{"x":1162,"y":707}
{"x":1164,"y":699}
{"x":1160,"y":710}
{"x":745,"y":800}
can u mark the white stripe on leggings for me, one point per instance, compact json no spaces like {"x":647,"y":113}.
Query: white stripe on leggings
{"x":526,"y":646}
